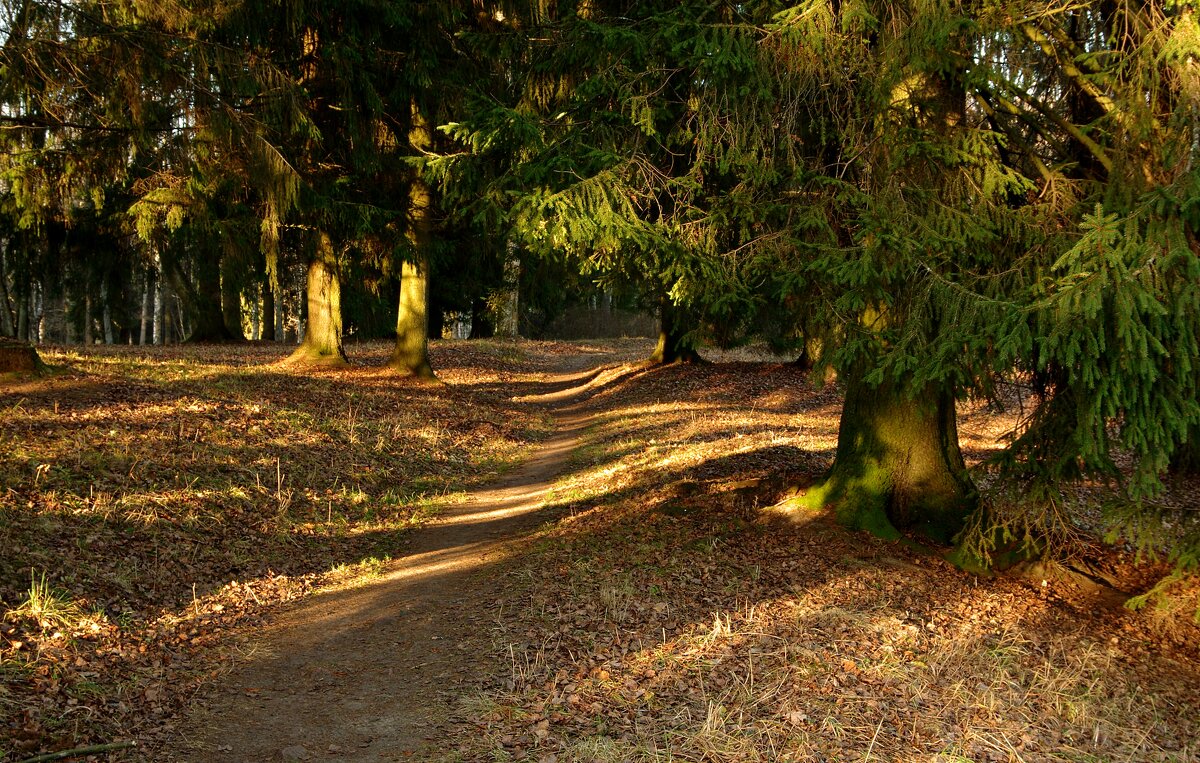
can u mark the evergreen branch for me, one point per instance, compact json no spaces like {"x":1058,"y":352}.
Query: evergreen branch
{"x":41,"y":123}
{"x":1071,"y":129}
{"x":1014,"y":136}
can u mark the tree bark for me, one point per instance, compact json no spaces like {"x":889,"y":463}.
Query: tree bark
{"x":672,"y":347}
{"x":1186,"y":458}
{"x":481,"y":320}
{"x":147,"y":283}
{"x":160,"y":306}
{"x":37,"y":314}
{"x":203,"y":301}
{"x":23,"y":321}
{"x":508,"y":298}
{"x":87,"y":319}
{"x":322,"y":343}
{"x":8,"y":325}
{"x":268,"y":313}
{"x":106,"y":323}
{"x":231,"y":302}
{"x":898,"y":465}
{"x":411,"y":353}
{"x":436,"y":320}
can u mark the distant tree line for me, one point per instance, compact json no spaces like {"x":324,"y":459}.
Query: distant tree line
{"x":935,"y":199}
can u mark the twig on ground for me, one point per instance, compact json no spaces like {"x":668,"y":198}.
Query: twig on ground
{"x":79,"y":752}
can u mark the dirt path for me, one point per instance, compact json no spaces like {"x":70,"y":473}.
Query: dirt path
{"x":368,"y":673}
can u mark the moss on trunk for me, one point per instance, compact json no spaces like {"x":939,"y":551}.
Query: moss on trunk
{"x":411,"y":353}
{"x":898,"y":465}
{"x":322,"y":343}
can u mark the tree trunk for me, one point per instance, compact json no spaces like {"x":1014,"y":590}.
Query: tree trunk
{"x":322,"y":343}
{"x":1186,"y":458}
{"x":281,"y":316}
{"x":204,"y":301}
{"x":508,"y":299}
{"x":481,"y":320}
{"x":63,"y":313}
{"x":231,"y":302}
{"x":106,"y":313}
{"x":37,"y":312}
{"x":898,"y":465}
{"x":160,"y":288}
{"x":87,"y":319}
{"x":672,"y":347}
{"x":436,"y":318}
{"x":411,"y":353}
{"x":8,"y":325}
{"x":23,"y":321}
{"x":268,"y":313}
{"x":147,"y":281}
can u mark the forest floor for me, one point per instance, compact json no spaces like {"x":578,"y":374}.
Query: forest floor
{"x":557,"y":555}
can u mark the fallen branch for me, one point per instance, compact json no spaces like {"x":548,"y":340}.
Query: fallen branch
{"x":78,"y":752}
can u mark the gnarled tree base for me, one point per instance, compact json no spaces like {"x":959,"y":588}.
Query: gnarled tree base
{"x":405,"y":367}
{"x":898,"y":466}
{"x":309,"y":355}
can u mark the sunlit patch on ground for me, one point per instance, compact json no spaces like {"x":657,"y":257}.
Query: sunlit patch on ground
{"x":663,"y":620}
{"x":155,"y":500}
{"x":157,"y":504}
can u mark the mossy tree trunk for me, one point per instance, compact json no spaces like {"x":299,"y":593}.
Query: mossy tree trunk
{"x":672,"y":346}
{"x":322,"y":343}
{"x":411,"y":353}
{"x":898,"y":464}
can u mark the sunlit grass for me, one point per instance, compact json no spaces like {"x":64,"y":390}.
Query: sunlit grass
{"x":50,"y":608}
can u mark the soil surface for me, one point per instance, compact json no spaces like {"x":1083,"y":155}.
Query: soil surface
{"x":370,"y":672}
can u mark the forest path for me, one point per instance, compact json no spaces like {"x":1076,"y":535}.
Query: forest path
{"x":369,"y":672}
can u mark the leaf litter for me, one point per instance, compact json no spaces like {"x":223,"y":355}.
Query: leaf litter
{"x":171,"y":500}
{"x":158,"y":504}
{"x":669,"y":618}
